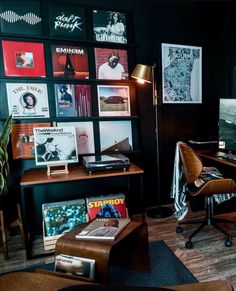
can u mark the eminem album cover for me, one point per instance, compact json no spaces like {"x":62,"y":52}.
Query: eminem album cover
{"x":111,"y":63}
{"x":55,"y":145}
{"x":67,"y":21}
{"x":20,"y":17}
{"x":83,"y":100}
{"x":84,"y":135}
{"x":61,"y":217}
{"x":23,"y":59}
{"x":70,"y":62}
{"x":27,"y":100}
{"x":65,"y":100}
{"x":112,"y":205}
{"x":22,"y":139}
{"x":109,"y":26}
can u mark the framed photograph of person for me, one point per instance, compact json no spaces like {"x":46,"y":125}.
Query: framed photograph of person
{"x":113,"y":100}
{"x":111,"y":63}
{"x":181,"y":73}
{"x":116,"y":136}
{"x":27,"y":100}
{"x":23,"y":59}
{"x":109,"y":26}
{"x":84,"y":135}
{"x":55,"y":145}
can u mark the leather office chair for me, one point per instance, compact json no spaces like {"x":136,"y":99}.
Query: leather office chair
{"x":192,"y":168}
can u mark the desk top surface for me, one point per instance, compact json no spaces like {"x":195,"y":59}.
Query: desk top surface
{"x":39,"y":176}
{"x":219,"y":157}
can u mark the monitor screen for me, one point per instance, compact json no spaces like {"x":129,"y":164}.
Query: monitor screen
{"x":227,"y":124}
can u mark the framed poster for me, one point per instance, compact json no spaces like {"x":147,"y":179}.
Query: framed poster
{"x":115,"y":136}
{"x":22,"y":139}
{"x":111,"y":63}
{"x":27,"y":100}
{"x":65,"y":100}
{"x":67,"y":21}
{"x":109,"y":26}
{"x":181,"y":73}
{"x":23,"y":59}
{"x":70,"y":62}
{"x":20,"y":17}
{"x":113,"y":100}
{"x":84,"y":135}
{"x":55,"y":145}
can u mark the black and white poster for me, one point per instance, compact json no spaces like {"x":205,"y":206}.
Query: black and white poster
{"x":109,"y":26}
{"x":27,"y":100}
{"x":55,"y":145}
{"x":20,"y":17}
{"x":67,"y":21}
{"x":181,"y":73}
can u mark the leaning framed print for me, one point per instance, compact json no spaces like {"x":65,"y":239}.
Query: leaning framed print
{"x":181,"y":73}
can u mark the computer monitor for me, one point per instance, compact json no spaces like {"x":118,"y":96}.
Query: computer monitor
{"x":227,"y":124}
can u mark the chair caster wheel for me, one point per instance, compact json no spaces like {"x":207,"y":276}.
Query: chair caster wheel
{"x":188,"y":244}
{"x":228,"y":243}
{"x":179,"y":229}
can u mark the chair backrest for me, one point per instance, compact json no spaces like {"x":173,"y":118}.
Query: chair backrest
{"x":191,"y":163}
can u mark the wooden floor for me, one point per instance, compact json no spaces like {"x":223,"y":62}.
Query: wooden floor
{"x":208,"y":260}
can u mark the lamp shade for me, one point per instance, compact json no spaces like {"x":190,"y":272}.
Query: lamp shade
{"x":143,"y":72}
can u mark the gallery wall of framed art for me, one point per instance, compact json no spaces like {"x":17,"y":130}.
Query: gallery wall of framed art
{"x":68,"y":65}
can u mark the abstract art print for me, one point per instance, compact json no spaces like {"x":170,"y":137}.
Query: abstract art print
{"x":181,"y":73}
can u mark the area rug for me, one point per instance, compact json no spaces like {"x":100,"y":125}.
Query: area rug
{"x":166,"y":269}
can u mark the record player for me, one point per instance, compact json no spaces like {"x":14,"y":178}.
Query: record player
{"x":97,"y":163}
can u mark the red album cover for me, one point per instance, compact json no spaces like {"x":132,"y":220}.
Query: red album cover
{"x":22,"y":139}
{"x":23,"y":59}
{"x":112,"y":205}
{"x":70,"y":62}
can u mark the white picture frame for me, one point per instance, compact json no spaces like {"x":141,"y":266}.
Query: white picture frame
{"x":181,"y":73}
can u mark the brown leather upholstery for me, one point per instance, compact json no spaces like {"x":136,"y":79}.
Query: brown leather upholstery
{"x":26,"y":281}
{"x":192,"y":168}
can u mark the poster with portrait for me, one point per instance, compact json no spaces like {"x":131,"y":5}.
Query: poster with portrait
{"x":70,"y":61}
{"x":23,"y":59}
{"x":65,"y":100}
{"x":17,"y":17}
{"x":116,"y":136}
{"x":109,"y":26}
{"x":111,"y":63}
{"x":181,"y":73}
{"x":27,"y":100}
{"x":84,"y":135}
{"x":113,"y":100}
{"x":67,"y":21}
{"x":22,"y":139}
{"x":55,"y":145}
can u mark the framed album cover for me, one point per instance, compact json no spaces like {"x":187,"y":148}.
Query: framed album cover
{"x":27,"y":100}
{"x":70,"y":62}
{"x":116,"y":136}
{"x":111,"y":63}
{"x":23,"y":59}
{"x":181,"y":73}
{"x":55,"y":145}
{"x":67,"y":21}
{"x":113,"y":100}
{"x":84,"y":135}
{"x":22,"y":139}
{"x":109,"y":26}
{"x":20,"y":17}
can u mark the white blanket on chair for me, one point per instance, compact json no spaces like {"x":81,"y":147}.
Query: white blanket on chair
{"x":179,"y":187}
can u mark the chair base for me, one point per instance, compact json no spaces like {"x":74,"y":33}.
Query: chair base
{"x":208,"y":220}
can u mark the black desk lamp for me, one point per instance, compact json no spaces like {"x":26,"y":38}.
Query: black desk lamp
{"x":146,"y":74}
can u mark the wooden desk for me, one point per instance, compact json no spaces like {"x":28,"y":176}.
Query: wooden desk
{"x":35,"y":177}
{"x":218,"y":157}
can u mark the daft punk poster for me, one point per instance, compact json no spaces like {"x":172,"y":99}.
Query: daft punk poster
{"x":27,"y":100}
{"x":107,"y":206}
{"x":55,"y":145}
